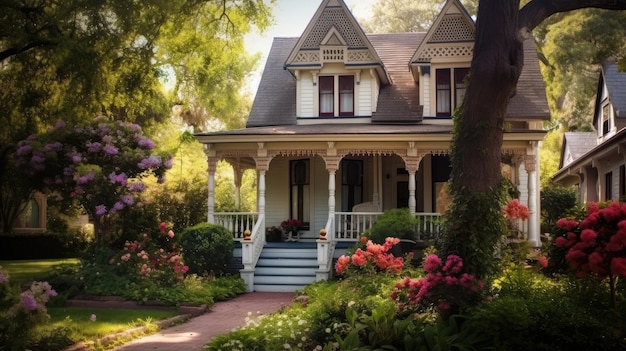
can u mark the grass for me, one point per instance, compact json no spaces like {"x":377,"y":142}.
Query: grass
{"x":108,"y":320}
{"x":22,"y":271}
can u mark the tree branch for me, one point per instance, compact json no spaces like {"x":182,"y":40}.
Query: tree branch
{"x":16,"y":51}
{"x":533,"y":13}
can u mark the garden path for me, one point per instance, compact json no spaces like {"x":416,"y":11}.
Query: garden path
{"x":221,"y":318}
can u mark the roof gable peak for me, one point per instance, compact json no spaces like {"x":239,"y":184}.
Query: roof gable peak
{"x":454,"y":27}
{"x":334,"y":25}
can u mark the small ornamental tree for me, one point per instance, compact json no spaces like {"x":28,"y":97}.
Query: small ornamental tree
{"x":597,"y":245}
{"x":99,"y":164}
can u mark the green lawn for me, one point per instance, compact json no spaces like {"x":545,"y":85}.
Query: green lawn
{"x":107,"y":320}
{"x":21,"y":271}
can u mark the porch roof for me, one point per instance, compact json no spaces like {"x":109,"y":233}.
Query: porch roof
{"x":367,"y":131}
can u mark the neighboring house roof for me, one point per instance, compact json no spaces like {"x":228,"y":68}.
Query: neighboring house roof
{"x":575,"y":145}
{"x":530,"y":101}
{"x":615,"y":82}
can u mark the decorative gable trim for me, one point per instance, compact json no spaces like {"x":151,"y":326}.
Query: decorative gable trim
{"x":334,"y":35}
{"x":451,"y":35}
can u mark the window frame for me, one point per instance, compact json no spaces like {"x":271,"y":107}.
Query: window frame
{"x":300,"y":192}
{"x":337,"y":94}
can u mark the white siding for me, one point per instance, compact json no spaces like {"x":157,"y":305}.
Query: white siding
{"x":307,"y":95}
{"x":364,"y":89}
{"x":425,"y":89}
{"x":277,"y":192}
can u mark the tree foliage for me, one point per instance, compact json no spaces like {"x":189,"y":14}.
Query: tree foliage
{"x":100,"y":165}
{"x":71,"y":60}
{"x":396,"y":16}
{"x":574,"y":45}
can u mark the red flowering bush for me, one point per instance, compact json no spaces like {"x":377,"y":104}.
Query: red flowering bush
{"x":371,"y":258}
{"x":596,"y":245}
{"x":145,"y":259}
{"x":515,"y":210}
{"x":445,"y":287}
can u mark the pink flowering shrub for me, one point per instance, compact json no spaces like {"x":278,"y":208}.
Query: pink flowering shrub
{"x":597,"y":244}
{"x":371,"y":258}
{"x":445,"y":287}
{"x":144,"y":259}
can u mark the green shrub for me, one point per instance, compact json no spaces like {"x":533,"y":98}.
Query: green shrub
{"x":397,"y":222}
{"x":556,"y":202}
{"x":531,"y":312}
{"x":206,"y":248}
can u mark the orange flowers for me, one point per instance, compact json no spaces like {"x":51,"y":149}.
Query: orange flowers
{"x":514,"y":210}
{"x":372,"y":258}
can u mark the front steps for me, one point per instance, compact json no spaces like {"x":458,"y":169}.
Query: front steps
{"x":286,"y":266}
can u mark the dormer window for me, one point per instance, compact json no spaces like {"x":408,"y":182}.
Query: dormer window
{"x":448,"y":98}
{"x":606,"y":120}
{"x":342,"y":101}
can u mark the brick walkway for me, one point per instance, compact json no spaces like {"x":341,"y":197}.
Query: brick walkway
{"x":221,"y":318}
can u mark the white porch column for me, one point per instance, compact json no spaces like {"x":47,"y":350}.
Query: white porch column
{"x":412,"y":164}
{"x":262,"y":165}
{"x":530,"y":163}
{"x":212,"y":161}
{"x":332,"y":165}
{"x":375,"y":180}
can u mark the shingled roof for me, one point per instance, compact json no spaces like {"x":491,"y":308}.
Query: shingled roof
{"x":616,"y":85}
{"x":398,"y":102}
{"x":577,"y":144}
{"x":275,"y":101}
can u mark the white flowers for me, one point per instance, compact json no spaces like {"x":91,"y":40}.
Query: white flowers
{"x":92,"y":318}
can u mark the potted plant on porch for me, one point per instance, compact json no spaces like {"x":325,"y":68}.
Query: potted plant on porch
{"x":291,"y":227}
{"x":273,"y":234}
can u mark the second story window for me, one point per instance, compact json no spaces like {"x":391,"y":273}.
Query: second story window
{"x":606,"y":120}
{"x":346,"y":95}
{"x":449,"y":98}
{"x":327,"y":95}
{"x":331,"y":102}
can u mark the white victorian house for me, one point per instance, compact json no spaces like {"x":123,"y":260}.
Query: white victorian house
{"x":595,"y":162}
{"x":346,"y":125}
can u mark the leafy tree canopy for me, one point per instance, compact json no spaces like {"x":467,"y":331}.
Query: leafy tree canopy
{"x":71,"y":60}
{"x":574,"y":45}
{"x":396,"y":16}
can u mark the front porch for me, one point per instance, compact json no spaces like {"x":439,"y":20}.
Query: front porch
{"x":294,"y":264}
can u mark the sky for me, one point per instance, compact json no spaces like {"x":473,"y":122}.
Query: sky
{"x":291,"y":18}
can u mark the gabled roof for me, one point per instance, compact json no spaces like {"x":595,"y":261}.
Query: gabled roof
{"x":275,"y":100}
{"x":575,"y":145}
{"x":530,"y":100}
{"x":615,"y":82}
{"x":334,"y":25}
{"x":398,"y":102}
{"x":453,"y":25}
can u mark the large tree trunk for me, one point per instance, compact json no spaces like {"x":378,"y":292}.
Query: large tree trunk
{"x":495,"y":69}
{"x":474,"y":222}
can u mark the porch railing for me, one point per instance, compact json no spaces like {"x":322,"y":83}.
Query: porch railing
{"x":325,"y":252}
{"x":350,"y":225}
{"x":237,"y":222}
